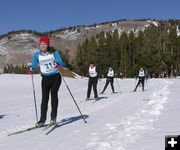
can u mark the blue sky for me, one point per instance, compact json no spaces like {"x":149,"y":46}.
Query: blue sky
{"x":45,"y":15}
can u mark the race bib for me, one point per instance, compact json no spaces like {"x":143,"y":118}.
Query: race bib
{"x":47,"y":63}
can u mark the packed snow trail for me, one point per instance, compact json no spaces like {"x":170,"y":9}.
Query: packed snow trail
{"x":121,"y":121}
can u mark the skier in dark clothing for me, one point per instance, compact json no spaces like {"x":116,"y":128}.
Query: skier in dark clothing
{"x":50,"y":63}
{"x":141,"y":76}
{"x":110,"y":79}
{"x":93,"y":80}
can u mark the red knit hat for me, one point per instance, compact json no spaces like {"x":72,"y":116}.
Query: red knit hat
{"x":44,"y":39}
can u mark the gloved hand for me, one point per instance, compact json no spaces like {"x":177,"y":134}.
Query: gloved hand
{"x":58,"y":67}
{"x":30,"y":71}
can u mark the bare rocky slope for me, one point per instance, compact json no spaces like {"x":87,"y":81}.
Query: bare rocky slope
{"x":18,"y":48}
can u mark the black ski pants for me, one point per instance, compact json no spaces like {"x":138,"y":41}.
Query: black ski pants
{"x":92,"y":83}
{"x":111,"y":81}
{"x":50,"y":84}
{"x":140,"y":81}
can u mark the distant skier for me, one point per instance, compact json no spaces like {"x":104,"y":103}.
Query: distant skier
{"x":92,"y":82}
{"x":110,"y":79}
{"x":141,"y":77}
{"x":121,"y":75}
{"x":50,"y":63}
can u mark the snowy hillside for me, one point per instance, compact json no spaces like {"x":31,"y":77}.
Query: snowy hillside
{"x":120,"y":121}
{"x":17,"y":48}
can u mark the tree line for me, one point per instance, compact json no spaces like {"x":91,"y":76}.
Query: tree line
{"x":157,"y":49}
{"x":23,"y":69}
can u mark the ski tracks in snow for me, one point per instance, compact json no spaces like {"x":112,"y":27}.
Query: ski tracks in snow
{"x":104,"y":132}
{"x":130,"y":129}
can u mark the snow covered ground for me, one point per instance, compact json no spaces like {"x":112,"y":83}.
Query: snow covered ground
{"x":121,"y":121}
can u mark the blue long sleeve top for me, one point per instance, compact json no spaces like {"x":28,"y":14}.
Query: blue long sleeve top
{"x":47,"y":63}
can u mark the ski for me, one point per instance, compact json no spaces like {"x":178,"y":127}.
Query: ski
{"x":51,"y":128}
{"x":47,"y":127}
{"x":87,"y":100}
{"x":25,"y":130}
{"x":94,"y":99}
{"x":99,"y":98}
{"x":115,"y":93}
{"x":111,"y":93}
{"x":137,"y":91}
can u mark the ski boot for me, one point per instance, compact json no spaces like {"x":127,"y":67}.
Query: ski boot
{"x":53,"y":121}
{"x":40,"y":123}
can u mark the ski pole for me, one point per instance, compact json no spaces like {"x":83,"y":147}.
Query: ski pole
{"x":100,"y":84}
{"x":146,"y":83}
{"x":135,"y":83}
{"x":73,"y":98}
{"x":34,"y":96}
{"x":118,"y":85}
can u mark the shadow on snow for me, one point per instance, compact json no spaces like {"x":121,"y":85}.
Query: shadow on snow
{"x":2,"y":116}
{"x":67,"y":121}
{"x":101,"y":98}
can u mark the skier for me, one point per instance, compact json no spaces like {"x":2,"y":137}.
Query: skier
{"x":121,"y":75}
{"x":141,"y":76}
{"x":50,"y":63}
{"x":92,"y":82}
{"x":110,"y":79}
